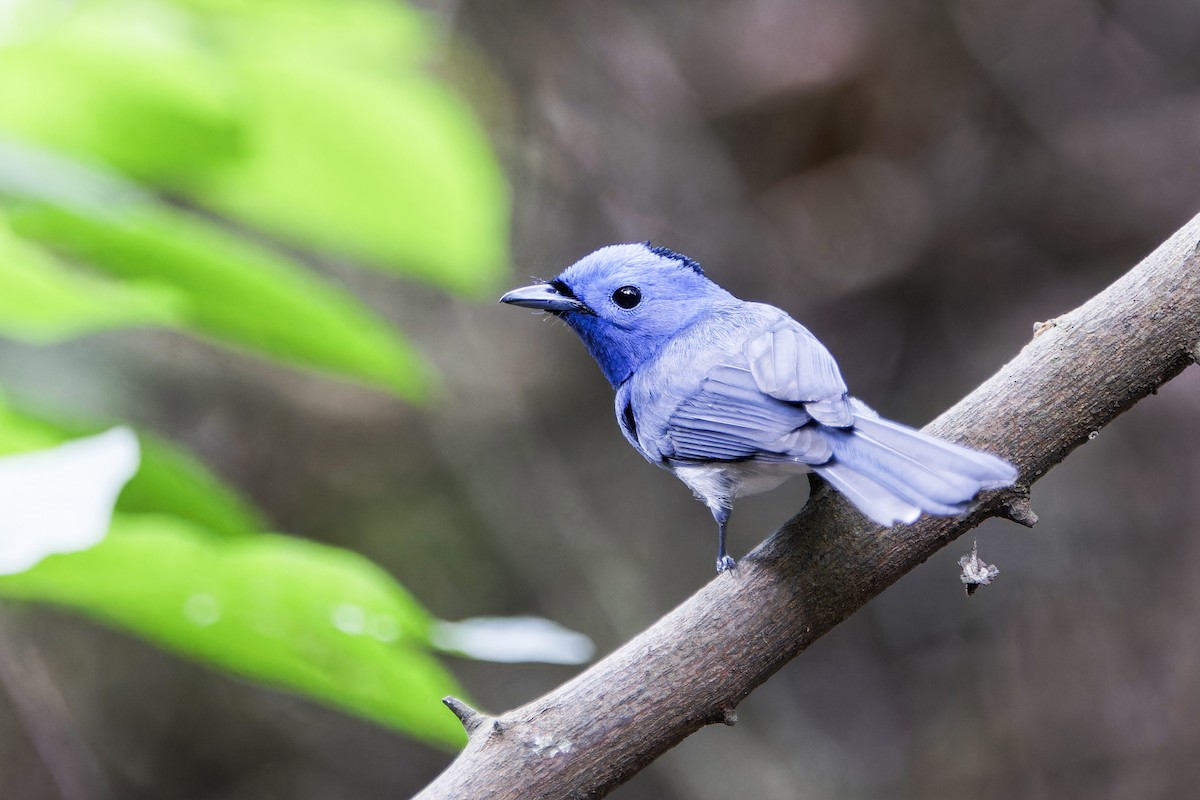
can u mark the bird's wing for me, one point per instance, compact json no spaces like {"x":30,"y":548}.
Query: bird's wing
{"x":788,"y":363}
{"x":729,"y":418}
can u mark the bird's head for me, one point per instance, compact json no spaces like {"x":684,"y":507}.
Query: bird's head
{"x":625,"y":301}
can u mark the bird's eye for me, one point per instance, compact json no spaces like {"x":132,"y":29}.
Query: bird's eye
{"x":627,"y":296}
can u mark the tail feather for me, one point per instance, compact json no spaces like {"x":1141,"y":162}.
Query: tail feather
{"x":880,"y":505}
{"x":992,"y":472}
{"x":893,"y":473}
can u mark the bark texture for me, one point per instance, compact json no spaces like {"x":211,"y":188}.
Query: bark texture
{"x":694,"y":666}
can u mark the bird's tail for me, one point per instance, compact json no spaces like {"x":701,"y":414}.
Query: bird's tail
{"x":893,"y":473}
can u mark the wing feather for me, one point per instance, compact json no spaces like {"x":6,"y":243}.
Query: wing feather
{"x":788,"y":363}
{"x":729,"y":419}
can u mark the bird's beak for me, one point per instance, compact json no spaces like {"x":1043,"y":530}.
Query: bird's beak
{"x":544,"y":297}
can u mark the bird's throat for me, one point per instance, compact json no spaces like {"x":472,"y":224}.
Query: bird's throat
{"x":617,"y":352}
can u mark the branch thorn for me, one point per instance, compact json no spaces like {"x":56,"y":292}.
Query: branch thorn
{"x":471,"y":719}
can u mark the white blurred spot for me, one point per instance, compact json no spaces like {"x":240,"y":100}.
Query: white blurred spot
{"x":202,"y":609}
{"x":28,"y":171}
{"x":61,"y":500}
{"x":351,"y":619}
{"x":513,"y":640}
{"x":384,"y":627}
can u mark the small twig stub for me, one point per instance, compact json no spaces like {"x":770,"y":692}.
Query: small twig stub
{"x":469,"y":717}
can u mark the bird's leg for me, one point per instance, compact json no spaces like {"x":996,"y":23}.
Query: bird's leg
{"x":724,"y":560}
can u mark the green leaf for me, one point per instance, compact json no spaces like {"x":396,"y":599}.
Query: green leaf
{"x":172,"y":482}
{"x":234,"y":291}
{"x":44,"y":300}
{"x":310,"y":618}
{"x":125,"y":85}
{"x":376,"y":34}
{"x":169,"y":481}
{"x":20,"y":433}
{"x":311,"y":120}
{"x":394,"y":171}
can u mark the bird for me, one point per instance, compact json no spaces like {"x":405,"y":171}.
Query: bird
{"x":735,"y":397}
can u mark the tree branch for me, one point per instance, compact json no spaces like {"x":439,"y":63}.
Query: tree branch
{"x":694,"y":666}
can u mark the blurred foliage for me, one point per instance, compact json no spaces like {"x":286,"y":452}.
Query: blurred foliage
{"x":308,"y":617}
{"x":185,"y":566}
{"x":162,"y":164}
{"x":311,"y":122}
{"x":288,"y":314}
{"x":168,"y":480}
{"x":44,"y":299}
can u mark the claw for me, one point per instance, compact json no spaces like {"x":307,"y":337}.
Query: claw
{"x":725,"y":563}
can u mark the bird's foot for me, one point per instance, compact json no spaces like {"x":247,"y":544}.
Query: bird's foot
{"x":725,"y":563}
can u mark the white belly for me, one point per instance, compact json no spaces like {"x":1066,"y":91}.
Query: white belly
{"x":719,"y":484}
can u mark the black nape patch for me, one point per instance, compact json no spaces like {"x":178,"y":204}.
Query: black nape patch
{"x":667,"y":252}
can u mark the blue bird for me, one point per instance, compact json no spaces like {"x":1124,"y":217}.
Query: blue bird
{"x":735,"y":397}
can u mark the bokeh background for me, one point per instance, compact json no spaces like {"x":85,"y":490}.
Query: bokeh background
{"x":919,"y":183}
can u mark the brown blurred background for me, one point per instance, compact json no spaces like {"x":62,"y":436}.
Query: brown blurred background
{"x":919,"y":183}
